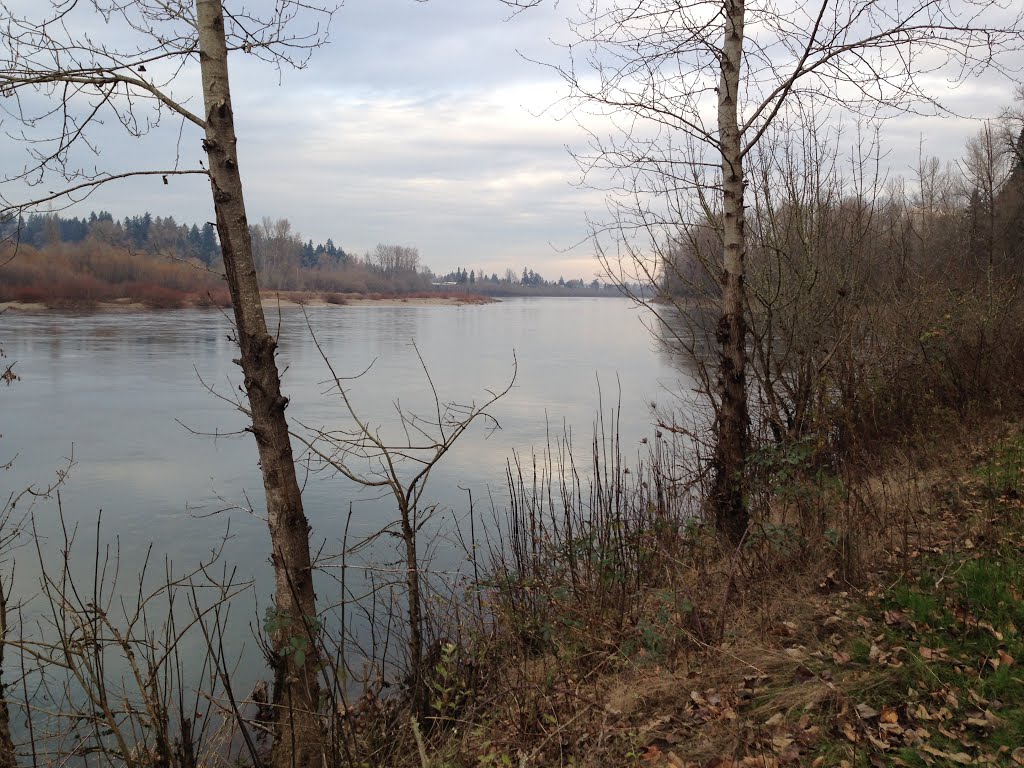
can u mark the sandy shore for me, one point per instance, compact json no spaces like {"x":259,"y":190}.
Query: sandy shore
{"x":269,"y":302}
{"x":395,"y":301}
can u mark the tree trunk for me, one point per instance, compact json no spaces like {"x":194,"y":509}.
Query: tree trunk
{"x":732,"y":427}
{"x":298,"y":739}
{"x":417,"y":681}
{"x":7,"y":758}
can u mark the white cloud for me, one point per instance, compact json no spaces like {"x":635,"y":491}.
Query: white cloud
{"x":422,"y":124}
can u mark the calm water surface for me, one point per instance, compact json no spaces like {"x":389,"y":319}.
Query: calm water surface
{"x":122,"y":392}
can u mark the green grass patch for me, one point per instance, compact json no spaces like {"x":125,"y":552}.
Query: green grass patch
{"x":945,"y":651}
{"x":1003,"y":472}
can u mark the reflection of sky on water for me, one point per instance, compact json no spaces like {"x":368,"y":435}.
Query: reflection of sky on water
{"x":112,"y":386}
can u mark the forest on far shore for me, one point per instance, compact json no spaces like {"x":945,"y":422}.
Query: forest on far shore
{"x":156,"y":261}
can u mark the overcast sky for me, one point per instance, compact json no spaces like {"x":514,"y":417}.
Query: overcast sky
{"x":423,"y":124}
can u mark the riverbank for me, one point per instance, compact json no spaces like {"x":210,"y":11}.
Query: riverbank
{"x":892,"y":637}
{"x":270,"y":301}
{"x":419,"y":299}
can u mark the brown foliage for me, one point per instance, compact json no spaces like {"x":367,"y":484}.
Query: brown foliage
{"x":84,"y":274}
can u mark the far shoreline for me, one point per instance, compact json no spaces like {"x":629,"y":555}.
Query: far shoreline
{"x":271,"y":300}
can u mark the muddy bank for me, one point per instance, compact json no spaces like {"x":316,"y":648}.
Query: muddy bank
{"x":270,"y":301}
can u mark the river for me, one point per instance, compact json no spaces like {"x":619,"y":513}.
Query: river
{"x":136,"y":399}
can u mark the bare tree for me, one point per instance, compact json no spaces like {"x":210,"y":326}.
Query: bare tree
{"x":400,"y":466}
{"x":695,"y":94}
{"x":80,"y":79}
{"x":276,"y":251}
{"x":394,"y":260}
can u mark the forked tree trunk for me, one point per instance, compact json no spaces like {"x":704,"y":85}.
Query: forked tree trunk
{"x":417,"y":680}
{"x":732,"y":427}
{"x":298,"y":739}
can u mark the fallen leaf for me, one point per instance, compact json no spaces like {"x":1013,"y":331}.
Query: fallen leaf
{"x":878,"y":743}
{"x":992,"y":630}
{"x":979,"y":700}
{"x":866,"y":712}
{"x":781,"y":742}
{"x":786,"y":628}
{"x":1018,"y":756}
{"x":889,"y":715}
{"x":651,"y":753}
{"x":960,"y":757}
{"x":893,"y":618}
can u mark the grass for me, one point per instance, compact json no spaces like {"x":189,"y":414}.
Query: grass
{"x":759,"y":661}
{"x":939,"y":648}
{"x":92,"y":273}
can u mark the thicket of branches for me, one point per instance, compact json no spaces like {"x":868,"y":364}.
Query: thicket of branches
{"x":873,"y":301}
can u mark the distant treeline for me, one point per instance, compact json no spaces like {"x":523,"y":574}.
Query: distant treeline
{"x":529,"y":283}
{"x":149,"y":234}
{"x":160,"y":261}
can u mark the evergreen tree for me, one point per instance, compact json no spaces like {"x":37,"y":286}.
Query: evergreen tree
{"x":32,"y":233}
{"x":195,"y":241}
{"x":210,"y":249}
{"x":309,"y":255}
{"x":73,"y":230}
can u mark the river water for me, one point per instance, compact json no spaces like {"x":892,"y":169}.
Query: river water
{"x":129,"y":397}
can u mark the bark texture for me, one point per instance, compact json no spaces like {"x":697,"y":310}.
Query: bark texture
{"x":298,"y":739}
{"x":417,"y":683}
{"x":7,"y":757}
{"x":729,"y":493}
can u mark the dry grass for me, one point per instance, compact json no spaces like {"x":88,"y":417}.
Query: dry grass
{"x":91,"y":274}
{"x":87,"y":274}
{"x":754,"y":673}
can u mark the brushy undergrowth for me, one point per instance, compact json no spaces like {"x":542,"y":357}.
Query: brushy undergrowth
{"x":769,"y":656}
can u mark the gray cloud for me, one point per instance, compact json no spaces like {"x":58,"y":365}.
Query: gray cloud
{"x":423,"y":124}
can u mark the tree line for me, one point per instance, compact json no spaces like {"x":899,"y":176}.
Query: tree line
{"x":283,"y":259}
{"x":970,"y":211}
{"x":154,"y":235}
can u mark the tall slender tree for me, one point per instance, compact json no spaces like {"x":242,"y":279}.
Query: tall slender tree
{"x":700,"y":83}
{"x":88,"y":79}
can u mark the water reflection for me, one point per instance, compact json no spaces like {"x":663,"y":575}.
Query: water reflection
{"x":118,"y":388}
